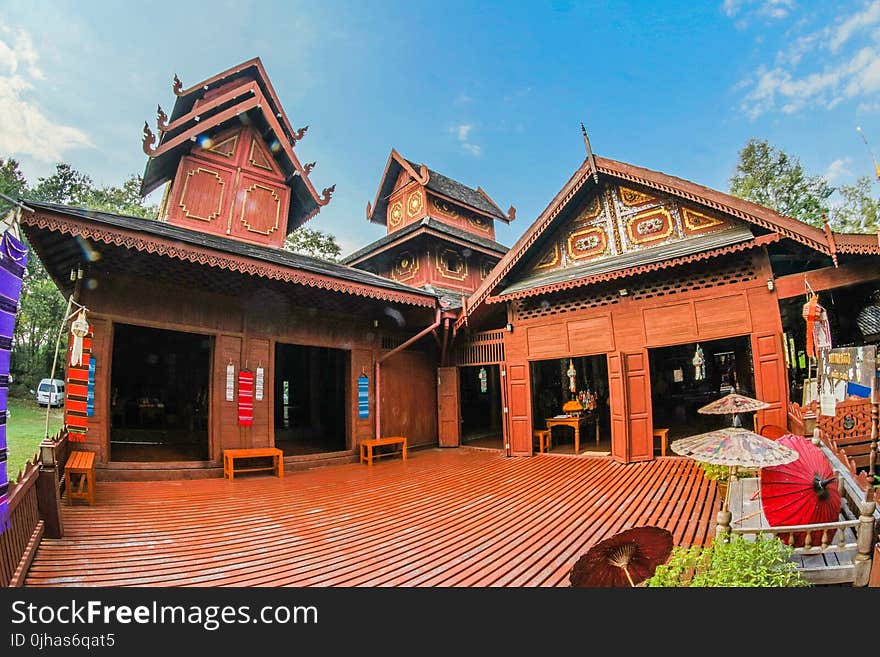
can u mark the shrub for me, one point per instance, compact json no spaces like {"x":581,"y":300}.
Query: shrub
{"x":766,"y":562}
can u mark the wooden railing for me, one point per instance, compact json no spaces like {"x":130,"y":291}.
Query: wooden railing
{"x":19,"y":542}
{"x":483,"y":348}
{"x":34,"y":510}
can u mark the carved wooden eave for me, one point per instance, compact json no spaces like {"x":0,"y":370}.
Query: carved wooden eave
{"x":752,"y":213}
{"x":857,"y":244}
{"x":761,"y":240}
{"x":142,"y":241}
{"x":197,"y":126}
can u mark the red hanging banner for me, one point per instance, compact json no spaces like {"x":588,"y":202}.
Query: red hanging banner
{"x":245,"y":398}
{"x":76,"y":393}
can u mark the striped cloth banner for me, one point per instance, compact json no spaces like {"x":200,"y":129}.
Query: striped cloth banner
{"x":76,"y":398}
{"x":13,"y":258}
{"x":245,"y":398}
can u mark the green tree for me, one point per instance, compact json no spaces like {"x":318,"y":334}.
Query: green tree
{"x":41,"y":304}
{"x":313,"y":242}
{"x":858,"y":209}
{"x":772,"y":178}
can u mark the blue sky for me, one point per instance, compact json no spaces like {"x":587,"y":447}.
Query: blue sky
{"x":490,"y":93}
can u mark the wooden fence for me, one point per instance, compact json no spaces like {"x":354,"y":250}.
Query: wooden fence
{"x":33,"y":511}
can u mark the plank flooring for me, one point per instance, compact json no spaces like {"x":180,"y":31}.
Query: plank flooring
{"x":455,"y":517}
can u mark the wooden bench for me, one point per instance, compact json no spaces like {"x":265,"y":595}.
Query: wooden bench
{"x":79,"y":477}
{"x":231,"y":455}
{"x":663,"y":435}
{"x":370,"y":443}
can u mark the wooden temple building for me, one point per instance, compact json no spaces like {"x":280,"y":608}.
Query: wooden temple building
{"x":642,"y":293}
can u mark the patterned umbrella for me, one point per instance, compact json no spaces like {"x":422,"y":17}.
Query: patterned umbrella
{"x":625,"y":559}
{"x":734,"y":447}
{"x":732,"y":404}
{"x":803,"y":492}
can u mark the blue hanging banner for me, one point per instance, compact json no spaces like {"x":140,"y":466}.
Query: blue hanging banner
{"x":90,"y":391}
{"x":363,"y":396}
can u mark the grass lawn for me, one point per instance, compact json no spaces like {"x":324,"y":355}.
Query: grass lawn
{"x":25,"y":428}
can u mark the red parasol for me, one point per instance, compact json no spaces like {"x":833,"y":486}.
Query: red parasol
{"x":625,"y":559}
{"x":803,"y":492}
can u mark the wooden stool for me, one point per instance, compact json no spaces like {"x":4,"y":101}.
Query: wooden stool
{"x":663,"y":435}
{"x":79,"y":477}
{"x":543,"y":438}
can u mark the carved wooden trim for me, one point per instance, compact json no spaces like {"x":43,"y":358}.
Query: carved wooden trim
{"x":182,"y":202}
{"x":204,"y":256}
{"x":443,"y":265}
{"x":244,"y":207}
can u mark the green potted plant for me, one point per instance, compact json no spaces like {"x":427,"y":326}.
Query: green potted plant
{"x":721,"y":474}
{"x":764,"y":562}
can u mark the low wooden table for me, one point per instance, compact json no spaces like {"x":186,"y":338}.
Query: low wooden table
{"x":663,"y":435}
{"x":79,"y":477}
{"x":575,"y":423}
{"x":368,"y":445}
{"x":230,"y":455}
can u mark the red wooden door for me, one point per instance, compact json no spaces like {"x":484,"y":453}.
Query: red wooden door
{"x":770,"y":378}
{"x":224,"y":414}
{"x":505,"y":408}
{"x":519,"y":407}
{"x":448,"y":414}
{"x":629,"y":383}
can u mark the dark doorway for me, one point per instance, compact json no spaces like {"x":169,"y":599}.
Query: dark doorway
{"x":551,"y":390}
{"x":480,"y":389}
{"x":677,"y":392}
{"x":159,"y":395}
{"x":310,"y":394}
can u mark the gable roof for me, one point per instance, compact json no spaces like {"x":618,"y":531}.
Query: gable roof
{"x":474,"y":199}
{"x":317,"y":272}
{"x":823,"y":241}
{"x":426,"y":225}
{"x":241,"y":94}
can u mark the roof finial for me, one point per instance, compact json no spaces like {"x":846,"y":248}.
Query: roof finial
{"x":149,"y":140}
{"x":161,"y":119}
{"x":590,"y":159}
{"x":876,"y":166}
{"x":299,"y":134}
{"x":177,"y":86}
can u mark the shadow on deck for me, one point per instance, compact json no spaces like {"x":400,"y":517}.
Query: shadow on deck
{"x":461,"y":517}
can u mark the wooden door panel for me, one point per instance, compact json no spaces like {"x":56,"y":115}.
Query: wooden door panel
{"x":770,"y":378}
{"x":638,"y":396}
{"x":519,"y":410}
{"x":227,"y":433}
{"x":448,"y":413}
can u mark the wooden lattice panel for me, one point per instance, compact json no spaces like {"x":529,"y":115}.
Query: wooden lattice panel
{"x":563,"y":303}
{"x":484,"y":348}
{"x":688,"y":279}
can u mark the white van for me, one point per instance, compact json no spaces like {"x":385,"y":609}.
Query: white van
{"x":51,"y":392}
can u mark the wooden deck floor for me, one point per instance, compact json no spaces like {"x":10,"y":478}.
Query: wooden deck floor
{"x":462,"y":517}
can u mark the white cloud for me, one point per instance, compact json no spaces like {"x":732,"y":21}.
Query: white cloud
{"x":838,"y":170}
{"x":462,"y":132}
{"x":852,"y":25}
{"x":815,"y":71}
{"x":775,"y":9}
{"x":24,"y":128}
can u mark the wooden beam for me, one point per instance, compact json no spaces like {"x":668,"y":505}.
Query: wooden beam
{"x":827,"y":278}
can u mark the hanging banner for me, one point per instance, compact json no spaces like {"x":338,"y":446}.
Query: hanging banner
{"x":76,"y":393}
{"x":258,"y":386}
{"x":363,"y":396}
{"x":245,"y":398}
{"x":230,"y":382}
{"x":13,"y":258}
{"x":90,"y":393}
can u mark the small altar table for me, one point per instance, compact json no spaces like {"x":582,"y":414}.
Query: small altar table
{"x":575,"y":423}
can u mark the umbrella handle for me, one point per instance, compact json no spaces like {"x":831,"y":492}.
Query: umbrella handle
{"x":626,"y":572}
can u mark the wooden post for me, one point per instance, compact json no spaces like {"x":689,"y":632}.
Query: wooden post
{"x":48,"y":496}
{"x":865,"y":540}
{"x":722,"y":528}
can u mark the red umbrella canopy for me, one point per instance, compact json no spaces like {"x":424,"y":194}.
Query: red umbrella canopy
{"x":625,"y":559}
{"x":802,"y":492}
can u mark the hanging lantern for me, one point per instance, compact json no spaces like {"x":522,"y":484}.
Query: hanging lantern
{"x":572,"y":373}
{"x":483,"y":377}
{"x":699,"y":363}
{"x":79,"y":328}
